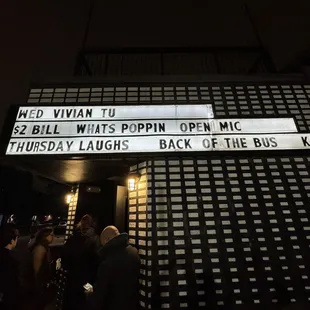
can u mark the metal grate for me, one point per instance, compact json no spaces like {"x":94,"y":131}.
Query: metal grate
{"x":174,"y":61}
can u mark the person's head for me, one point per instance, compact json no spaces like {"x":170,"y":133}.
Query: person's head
{"x":44,"y":236}
{"x":108,"y":234}
{"x":9,"y":236}
{"x":86,"y":223}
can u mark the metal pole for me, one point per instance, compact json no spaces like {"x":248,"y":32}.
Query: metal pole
{"x":270,"y":66}
{"x":81,"y":61}
{"x":90,"y":14}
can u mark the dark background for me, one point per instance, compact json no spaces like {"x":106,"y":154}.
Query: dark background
{"x":41,"y":39}
{"x":25,"y":195}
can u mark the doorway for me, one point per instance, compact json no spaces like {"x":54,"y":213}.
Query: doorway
{"x":106,"y":202}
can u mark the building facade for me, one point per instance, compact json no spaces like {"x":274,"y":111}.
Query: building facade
{"x":222,"y":230}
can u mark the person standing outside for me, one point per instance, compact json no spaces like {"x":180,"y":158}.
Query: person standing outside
{"x":117,"y":282}
{"x":9,"y":277}
{"x":80,"y":260}
{"x":41,"y":264}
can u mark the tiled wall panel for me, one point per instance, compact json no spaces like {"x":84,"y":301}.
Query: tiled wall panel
{"x":61,"y":274}
{"x":277,"y":100}
{"x":138,"y":226}
{"x":229,"y":232}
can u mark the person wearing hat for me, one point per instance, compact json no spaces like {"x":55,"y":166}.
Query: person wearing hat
{"x":116,"y":286}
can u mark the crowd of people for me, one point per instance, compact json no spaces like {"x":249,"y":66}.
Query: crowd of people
{"x":101,"y":271}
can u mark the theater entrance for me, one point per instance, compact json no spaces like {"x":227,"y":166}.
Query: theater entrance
{"x":220,"y":218}
{"x":100,"y":186}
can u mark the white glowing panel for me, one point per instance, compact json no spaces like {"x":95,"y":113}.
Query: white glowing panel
{"x":158,"y":144}
{"x":71,"y":113}
{"x":151,"y":127}
{"x":144,"y":129}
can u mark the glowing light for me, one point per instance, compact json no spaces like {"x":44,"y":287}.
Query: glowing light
{"x":133,"y":180}
{"x":69,"y":198}
{"x":48,"y":218}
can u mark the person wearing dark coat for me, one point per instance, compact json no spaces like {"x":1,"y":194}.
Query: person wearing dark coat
{"x":117,"y":282}
{"x":42,"y":275}
{"x":9,"y":275}
{"x":80,"y":260}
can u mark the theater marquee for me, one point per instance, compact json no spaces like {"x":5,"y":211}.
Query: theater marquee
{"x":143,"y":129}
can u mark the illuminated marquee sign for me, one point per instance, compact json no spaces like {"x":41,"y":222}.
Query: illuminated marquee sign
{"x":143,"y":129}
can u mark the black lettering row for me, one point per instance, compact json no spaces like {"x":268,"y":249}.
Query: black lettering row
{"x":107,"y":145}
{"x":66,"y":146}
{"x":64,"y":113}
{"x":210,"y":126}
